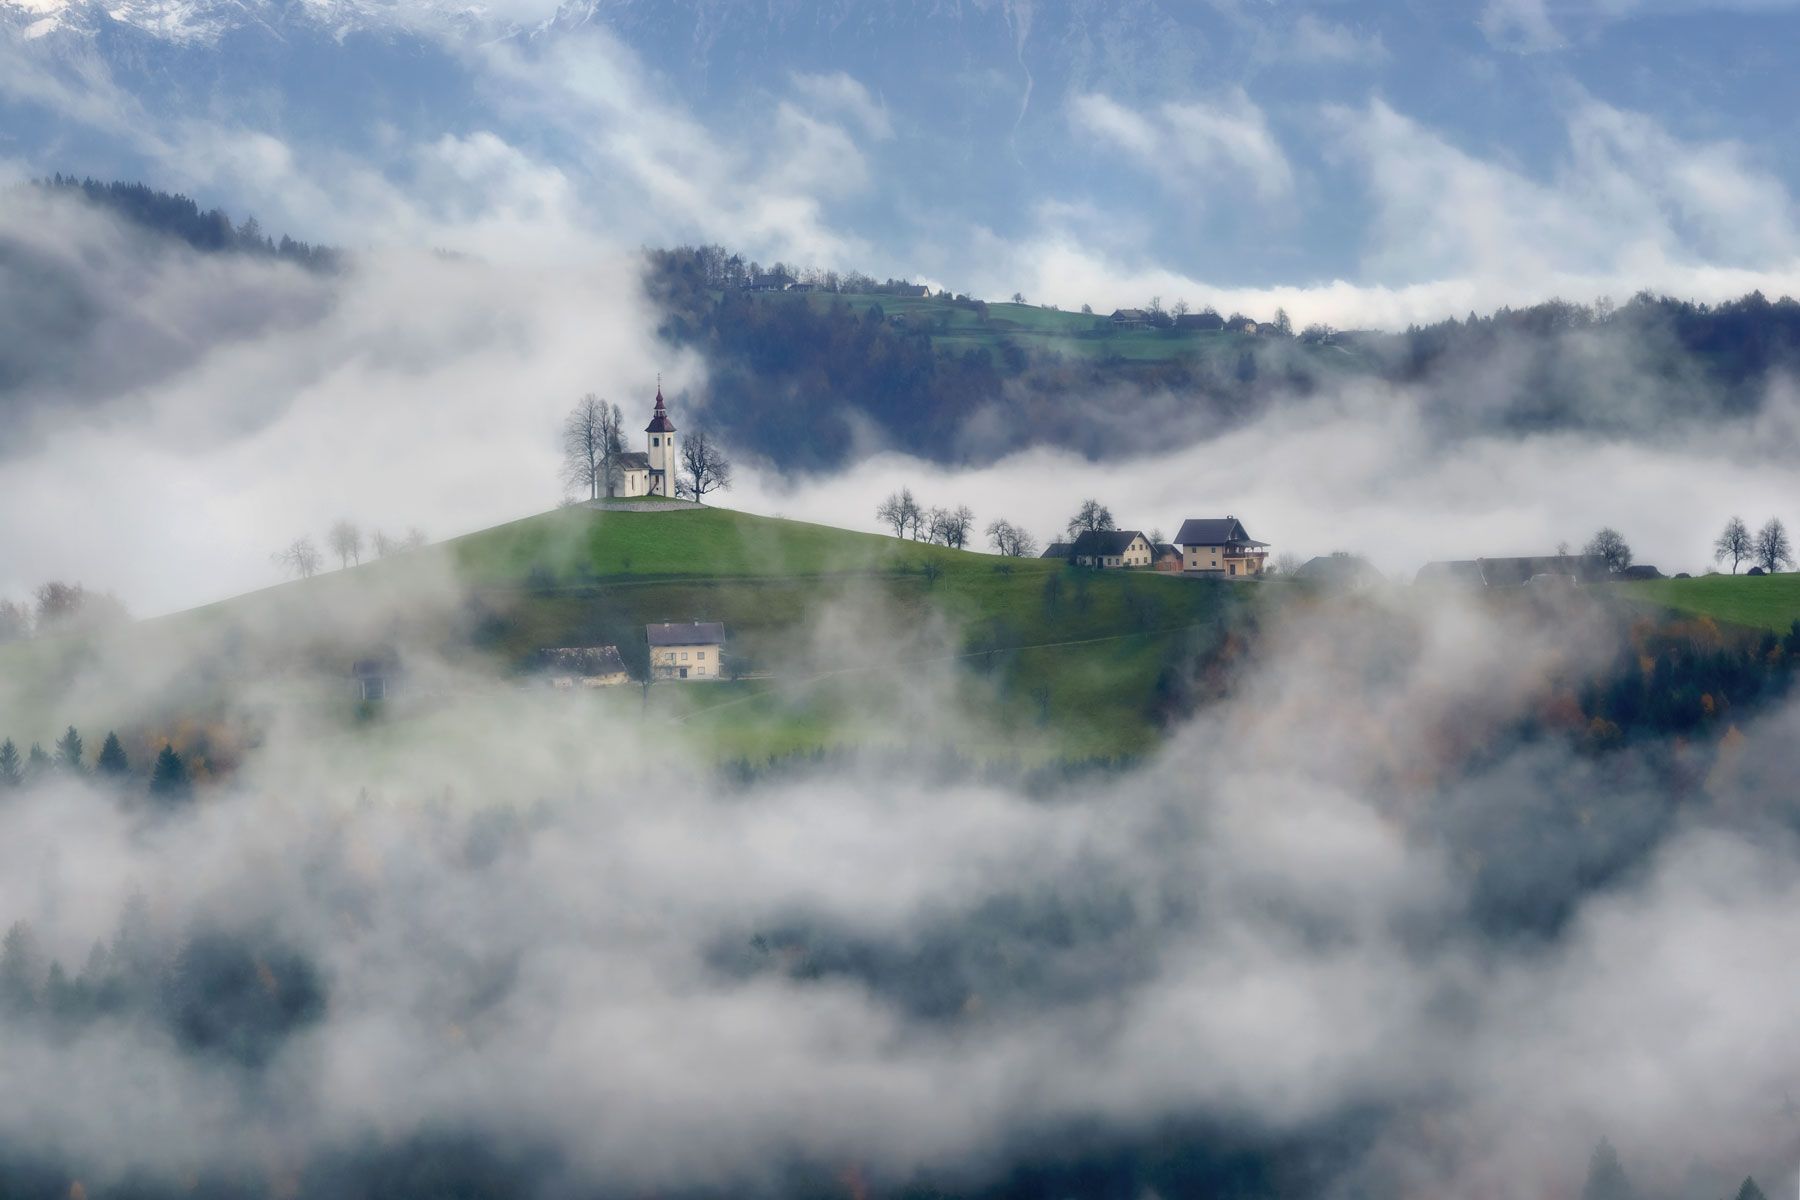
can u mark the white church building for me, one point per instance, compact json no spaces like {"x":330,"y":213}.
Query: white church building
{"x":651,"y":472}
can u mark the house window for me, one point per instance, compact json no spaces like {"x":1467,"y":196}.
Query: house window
{"x":699,"y":670}
{"x":653,"y":440}
{"x":700,"y":656}
{"x":684,"y":656}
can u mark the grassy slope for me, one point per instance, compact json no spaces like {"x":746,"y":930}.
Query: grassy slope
{"x":600,"y":576}
{"x":846,"y":622}
{"x":1758,"y":602}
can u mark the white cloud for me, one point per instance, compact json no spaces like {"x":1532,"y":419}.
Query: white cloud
{"x":837,"y":92}
{"x":1317,"y":40}
{"x":1196,"y":148}
{"x":1522,"y":25}
{"x":1364,"y":470}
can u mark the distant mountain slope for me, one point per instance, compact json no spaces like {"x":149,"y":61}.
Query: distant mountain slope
{"x":802,"y":378}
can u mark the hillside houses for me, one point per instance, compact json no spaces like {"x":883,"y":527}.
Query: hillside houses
{"x":1205,"y":546}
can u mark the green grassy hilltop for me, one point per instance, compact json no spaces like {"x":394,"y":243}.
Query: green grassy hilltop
{"x":842,"y":639}
{"x":832,"y":623}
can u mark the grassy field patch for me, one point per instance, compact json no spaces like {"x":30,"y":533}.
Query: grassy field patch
{"x":1756,"y":601}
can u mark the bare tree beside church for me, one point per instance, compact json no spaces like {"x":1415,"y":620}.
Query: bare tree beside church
{"x":704,"y":467}
{"x":593,"y":440}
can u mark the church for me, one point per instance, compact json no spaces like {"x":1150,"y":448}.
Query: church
{"x":651,"y":472}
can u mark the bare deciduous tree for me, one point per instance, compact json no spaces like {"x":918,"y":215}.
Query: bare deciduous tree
{"x":300,"y":557}
{"x":900,"y":512}
{"x":704,"y":467}
{"x":415,"y":538}
{"x":382,"y":545}
{"x":1734,"y":543}
{"x":346,"y":541}
{"x":584,"y":443}
{"x":951,"y":526}
{"x":1773,"y":550}
{"x":1092,"y":515}
{"x":1010,"y":540}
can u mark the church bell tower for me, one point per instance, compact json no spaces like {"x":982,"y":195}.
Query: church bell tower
{"x":663,"y":463}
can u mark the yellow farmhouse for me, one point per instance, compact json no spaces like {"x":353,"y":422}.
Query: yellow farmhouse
{"x":695,"y":650}
{"x":1220,"y":546}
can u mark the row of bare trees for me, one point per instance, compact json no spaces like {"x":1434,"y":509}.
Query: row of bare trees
{"x":593,"y":443}
{"x":347,"y":542}
{"x":1768,"y":548}
{"x":950,"y":526}
{"x":902,"y":513}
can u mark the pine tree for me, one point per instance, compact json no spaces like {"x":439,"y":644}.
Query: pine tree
{"x":1750,"y":1191}
{"x":12,"y":771}
{"x":112,"y":760}
{"x":18,"y":969}
{"x":1606,"y":1175}
{"x":169,"y":778}
{"x":37,"y":764}
{"x":68,"y":751}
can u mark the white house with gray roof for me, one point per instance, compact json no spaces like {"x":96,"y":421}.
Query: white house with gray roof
{"x":692,"y":651}
{"x":1220,"y":546}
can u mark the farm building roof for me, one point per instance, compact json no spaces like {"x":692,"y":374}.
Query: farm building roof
{"x":584,"y":662}
{"x":1214,"y":531}
{"x":691,"y":633}
{"x":1104,"y":541}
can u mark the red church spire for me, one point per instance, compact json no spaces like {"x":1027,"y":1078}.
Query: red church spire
{"x":659,"y":420}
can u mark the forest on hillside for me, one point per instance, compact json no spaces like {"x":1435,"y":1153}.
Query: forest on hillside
{"x":813,"y":385}
{"x":176,"y":216}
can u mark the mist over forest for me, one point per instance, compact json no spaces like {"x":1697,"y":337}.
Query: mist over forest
{"x":363,"y":832}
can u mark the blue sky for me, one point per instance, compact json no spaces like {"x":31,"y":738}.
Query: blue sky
{"x":1362,"y":163}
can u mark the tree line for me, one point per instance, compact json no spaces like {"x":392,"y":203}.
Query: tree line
{"x":950,"y":526}
{"x":167,"y":781}
{"x":176,"y":216}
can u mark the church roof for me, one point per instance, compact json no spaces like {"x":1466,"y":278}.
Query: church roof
{"x":660,"y":423}
{"x":634,"y":460}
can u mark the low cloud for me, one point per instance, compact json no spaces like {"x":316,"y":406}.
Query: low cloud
{"x":534,"y":926}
